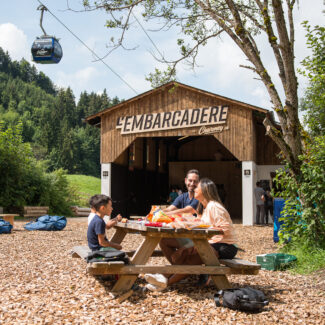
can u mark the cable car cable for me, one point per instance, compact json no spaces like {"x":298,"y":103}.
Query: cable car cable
{"x":153,"y":43}
{"x":89,"y":49}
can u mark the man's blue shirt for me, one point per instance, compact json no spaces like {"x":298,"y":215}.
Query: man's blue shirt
{"x":184,"y":200}
{"x":95,"y":228}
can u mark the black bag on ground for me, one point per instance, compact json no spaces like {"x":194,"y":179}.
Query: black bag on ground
{"x":107,"y":256}
{"x":246,"y":299}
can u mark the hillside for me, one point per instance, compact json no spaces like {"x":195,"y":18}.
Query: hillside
{"x":52,"y":120}
{"x":85,"y":187}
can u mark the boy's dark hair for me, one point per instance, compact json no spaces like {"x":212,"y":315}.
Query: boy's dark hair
{"x":96,"y":201}
{"x":193,"y":171}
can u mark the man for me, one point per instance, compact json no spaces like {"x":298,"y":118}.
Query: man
{"x":186,"y":203}
{"x":260,"y":198}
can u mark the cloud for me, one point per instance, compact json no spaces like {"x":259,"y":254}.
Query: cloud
{"x":80,"y":80}
{"x":14,"y":40}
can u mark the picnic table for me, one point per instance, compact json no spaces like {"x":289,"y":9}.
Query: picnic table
{"x":151,"y":238}
{"x":9,"y":217}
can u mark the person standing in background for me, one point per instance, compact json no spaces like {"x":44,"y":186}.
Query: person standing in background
{"x":268,"y":204}
{"x":172,"y":195}
{"x":260,"y":198}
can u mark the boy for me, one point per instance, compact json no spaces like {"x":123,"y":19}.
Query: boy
{"x":93,"y":213}
{"x":102,"y":205}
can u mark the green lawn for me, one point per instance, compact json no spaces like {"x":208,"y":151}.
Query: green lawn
{"x":85,"y":187}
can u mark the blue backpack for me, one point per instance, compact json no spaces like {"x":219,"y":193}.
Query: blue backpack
{"x":47,"y":223}
{"x":5,"y":227}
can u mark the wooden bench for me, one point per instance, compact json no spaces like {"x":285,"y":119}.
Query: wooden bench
{"x":233,"y":266}
{"x":35,"y":211}
{"x":80,"y":212}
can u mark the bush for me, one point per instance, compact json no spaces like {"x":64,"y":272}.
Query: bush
{"x":24,"y":181}
{"x":304,"y":211}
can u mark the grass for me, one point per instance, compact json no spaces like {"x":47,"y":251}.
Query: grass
{"x":309,"y":259}
{"x":84,"y":187}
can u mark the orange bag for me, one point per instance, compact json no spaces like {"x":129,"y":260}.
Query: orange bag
{"x":150,"y":215}
{"x":159,"y":216}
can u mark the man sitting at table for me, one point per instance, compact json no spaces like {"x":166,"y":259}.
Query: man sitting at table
{"x":184,"y":203}
{"x":102,"y":205}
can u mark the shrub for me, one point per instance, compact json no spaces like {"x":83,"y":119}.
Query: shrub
{"x":24,"y":181}
{"x":304,"y":211}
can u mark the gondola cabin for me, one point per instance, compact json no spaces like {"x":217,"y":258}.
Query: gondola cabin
{"x":46,"y":49}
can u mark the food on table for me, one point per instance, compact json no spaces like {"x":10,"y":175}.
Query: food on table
{"x":153,"y":224}
{"x":160,"y":216}
{"x":124,"y":220}
{"x":150,"y":215}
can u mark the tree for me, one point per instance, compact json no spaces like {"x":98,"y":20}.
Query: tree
{"x":313,"y":102}
{"x":23,"y":180}
{"x":242,"y":20}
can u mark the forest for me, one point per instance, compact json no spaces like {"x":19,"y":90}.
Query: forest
{"x":52,"y":120}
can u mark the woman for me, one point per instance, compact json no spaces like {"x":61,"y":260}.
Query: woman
{"x":211,"y":212}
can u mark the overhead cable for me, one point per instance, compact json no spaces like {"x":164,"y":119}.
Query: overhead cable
{"x":81,"y":41}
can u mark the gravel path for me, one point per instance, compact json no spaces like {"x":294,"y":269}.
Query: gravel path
{"x":41,"y":284}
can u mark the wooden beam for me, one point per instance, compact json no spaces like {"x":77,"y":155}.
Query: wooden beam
{"x":141,"y":256}
{"x":106,"y":268}
{"x":80,"y":251}
{"x":238,"y":263}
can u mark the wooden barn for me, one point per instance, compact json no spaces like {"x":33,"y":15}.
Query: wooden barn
{"x":150,"y":141}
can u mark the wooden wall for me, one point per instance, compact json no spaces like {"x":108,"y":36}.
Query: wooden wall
{"x":238,"y":138}
{"x":266,"y":149}
{"x":204,"y":148}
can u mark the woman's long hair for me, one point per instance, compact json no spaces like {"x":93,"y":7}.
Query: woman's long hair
{"x":209,"y":192}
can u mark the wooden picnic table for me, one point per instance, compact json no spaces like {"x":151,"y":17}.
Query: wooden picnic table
{"x":152,"y":237}
{"x":9,"y":217}
{"x":128,"y":273}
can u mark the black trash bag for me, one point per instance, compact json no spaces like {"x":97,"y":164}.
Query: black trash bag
{"x":245,"y":299}
{"x":107,"y":256}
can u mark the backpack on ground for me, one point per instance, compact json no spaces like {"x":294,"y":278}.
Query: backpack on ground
{"x":107,"y":256}
{"x":245,"y":299}
{"x":47,"y":223}
{"x":5,"y":227}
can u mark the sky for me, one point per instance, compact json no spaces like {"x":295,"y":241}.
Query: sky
{"x":218,"y":70}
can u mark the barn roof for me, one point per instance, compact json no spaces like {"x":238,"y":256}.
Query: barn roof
{"x":96,"y":118}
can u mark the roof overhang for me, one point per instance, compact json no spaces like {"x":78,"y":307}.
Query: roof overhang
{"x":95,"y":119}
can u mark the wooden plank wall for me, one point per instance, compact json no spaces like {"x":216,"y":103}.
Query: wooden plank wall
{"x":267,"y":150}
{"x":238,"y":139}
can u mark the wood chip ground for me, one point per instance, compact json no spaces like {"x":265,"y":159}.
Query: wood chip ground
{"x":42,"y":284}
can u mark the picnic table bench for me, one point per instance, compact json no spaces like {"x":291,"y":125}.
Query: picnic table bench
{"x":80,"y":212}
{"x":35,"y":211}
{"x":152,"y":236}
